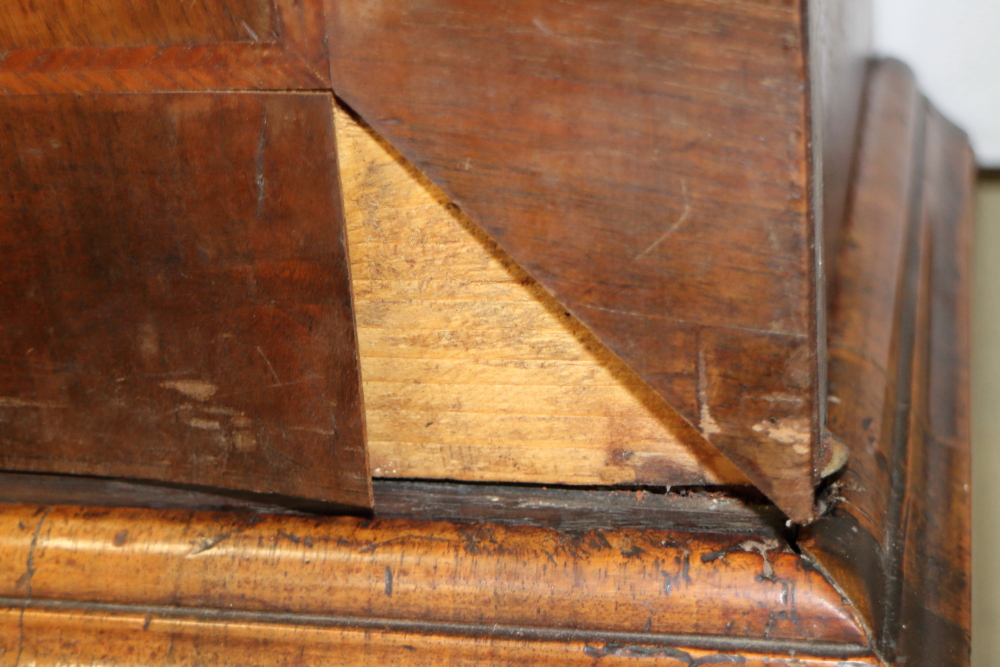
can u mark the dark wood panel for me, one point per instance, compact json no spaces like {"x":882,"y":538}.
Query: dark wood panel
{"x":176,"y":293}
{"x":482,"y":577}
{"x":51,"y":24}
{"x":646,"y":162}
{"x":83,"y":46}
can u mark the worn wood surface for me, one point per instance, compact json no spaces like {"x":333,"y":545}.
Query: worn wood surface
{"x":936,"y":587}
{"x":566,"y":509}
{"x":60,"y":636}
{"x":471,"y":370}
{"x":176,"y":295}
{"x":84,"y":46}
{"x":897,"y":539}
{"x":651,"y":582}
{"x":647,"y":163}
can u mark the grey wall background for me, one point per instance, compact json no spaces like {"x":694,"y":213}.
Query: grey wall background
{"x":954,"y":47}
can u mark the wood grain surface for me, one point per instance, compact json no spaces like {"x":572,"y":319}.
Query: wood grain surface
{"x":936,"y":586}
{"x":176,"y":294}
{"x":646,"y":163}
{"x":85,"y":46}
{"x":897,"y":539}
{"x":56,"y":637}
{"x":471,"y":370}
{"x":652,"y":583}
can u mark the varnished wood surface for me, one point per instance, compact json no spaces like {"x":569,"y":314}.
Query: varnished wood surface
{"x":897,"y":539}
{"x":651,"y":582}
{"x":83,"y":46}
{"x":176,"y":293}
{"x":471,"y":370}
{"x":647,"y":163}
{"x":56,"y":637}
{"x":54,"y":24}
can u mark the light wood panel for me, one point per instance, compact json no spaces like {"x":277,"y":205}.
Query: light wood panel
{"x":471,"y":369}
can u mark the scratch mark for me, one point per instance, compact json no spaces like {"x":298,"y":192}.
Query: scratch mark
{"x":672,"y":228}
{"x":268,"y":362}
{"x":259,"y":162}
{"x":251,"y":32}
{"x":25,"y":581}
{"x":388,"y":581}
{"x":402,"y":538}
{"x":14,"y":402}
{"x":706,"y":423}
{"x":311,"y":429}
{"x":206,"y":543}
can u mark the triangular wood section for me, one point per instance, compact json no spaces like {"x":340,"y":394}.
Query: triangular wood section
{"x":471,"y":370}
{"x":646,"y":162}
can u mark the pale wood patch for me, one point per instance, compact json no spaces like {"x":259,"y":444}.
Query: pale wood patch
{"x":471,"y":370}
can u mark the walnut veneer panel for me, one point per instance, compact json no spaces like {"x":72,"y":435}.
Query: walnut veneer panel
{"x":175,"y":293}
{"x":86,"y":46}
{"x":471,"y":370}
{"x":48,"y":24}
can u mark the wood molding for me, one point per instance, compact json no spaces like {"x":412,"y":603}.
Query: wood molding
{"x":897,"y":538}
{"x":638,"y":587}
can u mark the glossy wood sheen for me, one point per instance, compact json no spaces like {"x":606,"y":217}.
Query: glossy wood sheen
{"x":176,"y":293}
{"x":57,"y":637}
{"x":483,"y":576}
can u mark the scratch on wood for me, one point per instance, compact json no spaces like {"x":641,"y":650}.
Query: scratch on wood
{"x":268,"y":362}
{"x":14,"y":402}
{"x":706,"y":423}
{"x":25,"y":581}
{"x":388,"y":581}
{"x":250,"y":31}
{"x":672,"y":228}
{"x":205,"y":543}
{"x":259,"y":162}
